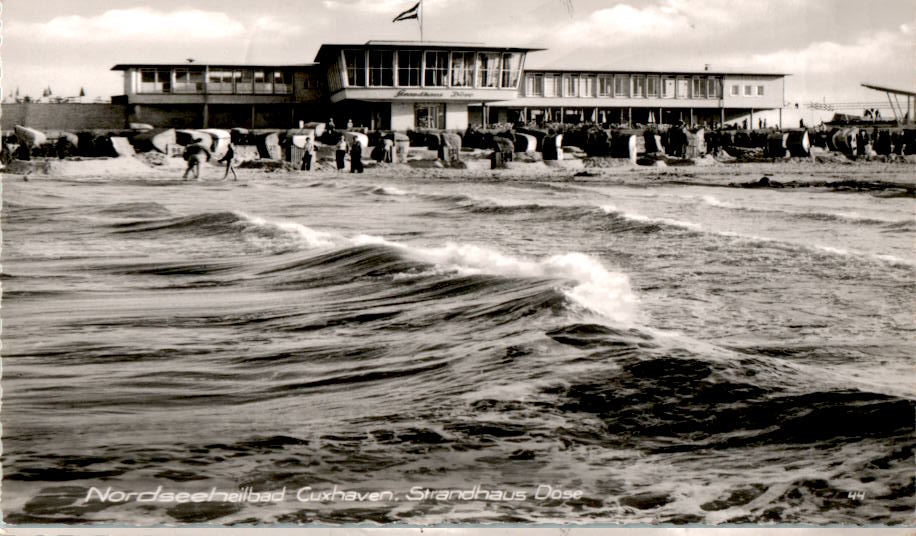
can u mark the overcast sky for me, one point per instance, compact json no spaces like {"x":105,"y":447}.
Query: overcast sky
{"x":828,"y":46}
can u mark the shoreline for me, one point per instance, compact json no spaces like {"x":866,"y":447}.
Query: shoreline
{"x":845,"y":176}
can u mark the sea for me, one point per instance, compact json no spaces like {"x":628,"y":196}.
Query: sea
{"x":371,"y":349}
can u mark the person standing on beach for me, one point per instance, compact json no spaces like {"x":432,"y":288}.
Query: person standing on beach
{"x":356,"y":157}
{"x":309,"y":153}
{"x":227,"y":158}
{"x":342,"y":149}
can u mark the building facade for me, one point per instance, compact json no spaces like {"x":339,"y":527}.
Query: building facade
{"x":401,"y":85}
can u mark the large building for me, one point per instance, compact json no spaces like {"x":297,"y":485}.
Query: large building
{"x":400,"y":85}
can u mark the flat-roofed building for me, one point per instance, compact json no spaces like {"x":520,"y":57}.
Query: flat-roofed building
{"x":197,"y":95}
{"x":644,"y":97}
{"x":402,"y":85}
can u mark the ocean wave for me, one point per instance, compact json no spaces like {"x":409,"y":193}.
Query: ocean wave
{"x":641,"y":219}
{"x":849,"y":217}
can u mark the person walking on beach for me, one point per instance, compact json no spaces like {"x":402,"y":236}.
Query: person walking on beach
{"x":227,"y":158}
{"x":309,"y":154}
{"x":356,"y":157}
{"x":196,"y":154}
{"x":342,"y":149}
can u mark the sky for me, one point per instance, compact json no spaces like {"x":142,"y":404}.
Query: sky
{"x":829,"y":47}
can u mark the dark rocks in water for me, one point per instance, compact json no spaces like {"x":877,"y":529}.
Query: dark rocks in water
{"x":522,"y":454}
{"x":202,"y":512}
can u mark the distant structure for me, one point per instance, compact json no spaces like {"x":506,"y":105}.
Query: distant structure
{"x":401,"y":85}
{"x":905,"y":118}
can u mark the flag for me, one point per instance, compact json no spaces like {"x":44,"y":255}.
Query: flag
{"x":412,"y":13}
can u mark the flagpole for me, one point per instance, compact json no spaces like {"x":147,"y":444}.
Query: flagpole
{"x":421,"y":20}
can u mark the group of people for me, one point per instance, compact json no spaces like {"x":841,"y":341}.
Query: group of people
{"x":196,"y":154}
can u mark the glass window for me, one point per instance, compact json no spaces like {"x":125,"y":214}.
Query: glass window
{"x":243,"y":80}
{"x":409,"y":68}
{"x":429,"y":115}
{"x":283,"y":82}
{"x":639,"y":86}
{"x":699,"y":88}
{"x":571,"y":88}
{"x":736,"y":90}
{"x":381,"y":68}
{"x":219,"y":81}
{"x":683,"y":88}
{"x":668,"y":87}
{"x":149,"y":81}
{"x":652,"y":86}
{"x":511,"y":66}
{"x":436,"y":73}
{"x":488,"y":69}
{"x":587,"y":86}
{"x":263,"y":82}
{"x":557,"y":85}
{"x":604,"y":86}
{"x":355,"y":60}
{"x":621,"y":85}
{"x":534,"y":85}
{"x":462,"y":69}
{"x":759,"y":91}
{"x":549,"y":89}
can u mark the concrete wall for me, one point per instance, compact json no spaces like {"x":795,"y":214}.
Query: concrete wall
{"x":402,"y":116}
{"x":65,"y":116}
{"x":456,"y":116}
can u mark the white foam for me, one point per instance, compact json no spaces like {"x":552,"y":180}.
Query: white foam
{"x":633,"y":216}
{"x":390,"y":190}
{"x":594,"y":287}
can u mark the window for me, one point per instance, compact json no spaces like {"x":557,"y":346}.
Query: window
{"x":759,"y":91}
{"x":557,"y":85}
{"x":188,"y":81}
{"x":262,"y":81}
{"x":605,"y":86}
{"x":462,"y":69}
{"x":488,"y":69}
{"x":668,"y":87}
{"x":714,"y":88}
{"x":571,"y":88}
{"x":436,"y":72}
{"x":511,"y":66}
{"x":355,"y":60}
{"x":736,"y":90}
{"x":748,"y":91}
{"x":587,"y":86}
{"x":408,"y":67}
{"x":429,"y":115}
{"x":243,"y":80}
{"x":534,"y":85}
{"x":639,"y":86}
{"x":155,"y":81}
{"x":549,"y":88}
{"x":381,"y":68}
{"x":683,"y":88}
{"x":308,"y":82}
{"x":621,"y":85}
{"x":652,"y":86}
{"x":219,"y":81}
{"x":699,"y":88}
{"x":283,"y":82}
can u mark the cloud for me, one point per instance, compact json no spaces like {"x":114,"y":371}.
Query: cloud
{"x":145,"y":25}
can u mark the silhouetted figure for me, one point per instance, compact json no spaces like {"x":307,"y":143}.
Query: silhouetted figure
{"x":356,"y":157}
{"x":227,"y":158}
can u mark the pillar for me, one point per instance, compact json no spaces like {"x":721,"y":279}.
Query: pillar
{"x":630,"y":116}
{"x":206,"y":115}
{"x":252,"y":116}
{"x":562,"y":115}
{"x":752,"y":119}
{"x":780,"y":118}
{"x":691,"y":117}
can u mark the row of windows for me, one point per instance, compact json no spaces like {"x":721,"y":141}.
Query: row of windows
{"x":622,"y":85}
{"x":749,"y":90}
{"x":431,"y":68}
{"x":240,"y":81}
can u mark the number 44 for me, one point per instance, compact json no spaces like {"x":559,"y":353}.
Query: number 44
{"x":856,"y":495}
